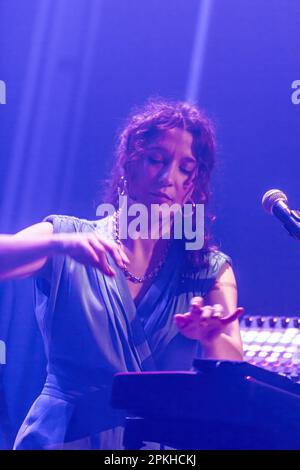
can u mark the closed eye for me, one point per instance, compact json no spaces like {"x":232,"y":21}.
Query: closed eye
{"x":155,"y":161}
{"x":189,"y":168}
{"x":186,"y":171}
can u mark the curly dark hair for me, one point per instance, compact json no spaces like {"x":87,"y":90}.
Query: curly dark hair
{"x":144,"y":124}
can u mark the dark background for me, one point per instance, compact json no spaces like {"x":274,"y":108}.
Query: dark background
{"x":74,"y":69}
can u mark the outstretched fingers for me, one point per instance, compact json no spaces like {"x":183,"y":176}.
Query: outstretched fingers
{"x":233,"y":316}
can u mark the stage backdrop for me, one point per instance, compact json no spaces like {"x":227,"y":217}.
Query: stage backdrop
{"x":74,"y":69}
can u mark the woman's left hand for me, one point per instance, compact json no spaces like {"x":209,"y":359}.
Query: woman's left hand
{"x":204,"y":323}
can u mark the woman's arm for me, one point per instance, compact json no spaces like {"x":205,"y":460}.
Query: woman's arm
{"x":214,"y":322}
{"x":227,"y":344}
{"x":27,"y":252}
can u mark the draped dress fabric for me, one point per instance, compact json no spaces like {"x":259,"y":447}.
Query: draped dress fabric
{"x":92,"y":329}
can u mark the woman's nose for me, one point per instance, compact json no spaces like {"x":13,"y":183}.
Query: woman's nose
{"x":168,"y":175}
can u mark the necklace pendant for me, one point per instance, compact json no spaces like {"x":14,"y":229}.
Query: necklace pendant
{"x":134,"y":279}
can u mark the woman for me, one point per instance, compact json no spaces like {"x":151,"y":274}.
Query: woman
{"x":107,"y":304}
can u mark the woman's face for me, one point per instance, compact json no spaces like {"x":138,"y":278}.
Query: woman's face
{"x":166,"y":170}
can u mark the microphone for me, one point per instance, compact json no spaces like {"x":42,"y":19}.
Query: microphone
{"x":275,"y":203}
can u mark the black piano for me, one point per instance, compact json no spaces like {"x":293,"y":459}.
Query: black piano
{"x":218,"y":405}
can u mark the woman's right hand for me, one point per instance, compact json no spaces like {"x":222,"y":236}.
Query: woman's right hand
{"x":90,"y":249}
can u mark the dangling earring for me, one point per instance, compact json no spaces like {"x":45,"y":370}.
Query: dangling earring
{"x":122,"y":187}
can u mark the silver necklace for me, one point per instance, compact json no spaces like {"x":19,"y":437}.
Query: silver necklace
{"x":129,"y":275}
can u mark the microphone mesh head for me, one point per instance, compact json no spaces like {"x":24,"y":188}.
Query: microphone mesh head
{"x":271,"y":197}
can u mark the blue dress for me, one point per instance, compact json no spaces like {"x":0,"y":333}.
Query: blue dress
{"x":92,"y":329}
